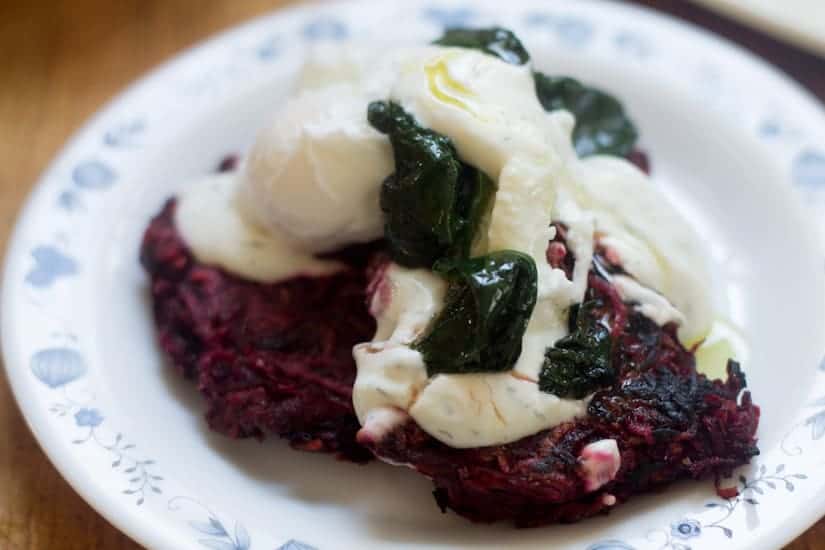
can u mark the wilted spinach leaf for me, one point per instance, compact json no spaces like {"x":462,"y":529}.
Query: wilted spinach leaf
{"x":489,"y":302}
{"x":475,"y":200}
{"x":602,"y":126}
{"x":580,"y":362}
{"x":494,"y":40}
{"x":432,"y":202}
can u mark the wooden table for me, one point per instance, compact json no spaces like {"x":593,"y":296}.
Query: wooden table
{"x":59,"y":61}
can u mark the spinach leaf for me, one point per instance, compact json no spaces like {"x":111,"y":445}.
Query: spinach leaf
{"x":494,"y":41}
{"x":489,"y":302}
{"x":433,"y":202}
{"x":475,"y":200}
{"x":580,"y":362}
{"x":602,"y":126}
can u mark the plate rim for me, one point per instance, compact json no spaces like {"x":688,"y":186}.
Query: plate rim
{"x":125,"y":518}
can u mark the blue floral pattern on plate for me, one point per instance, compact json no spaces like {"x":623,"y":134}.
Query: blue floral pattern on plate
{"x":125,"y":135}
{"x":50,"y":264}
{"x":69,"y":200}
{"x":450,"y":17}
{"x":631,"y":43}
{"x":325,"y":28}
{"x":685,"y":529}
{"x":93,"y":174}
{"x":269,"y":49}
{"x":88,"y":418}
{"x":571,"y":30}
{"x":809,"y":168}
{"x":612,"y":544}
{"x":295,"y":545}
{"x":57,"y":367}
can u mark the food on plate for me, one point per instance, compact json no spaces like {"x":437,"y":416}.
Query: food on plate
{"x":440,"y":257}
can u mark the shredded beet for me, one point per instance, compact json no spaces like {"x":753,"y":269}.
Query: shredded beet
{"x":268,"y":359}
{"x":640,"y":159}
{"x":229,"y":163}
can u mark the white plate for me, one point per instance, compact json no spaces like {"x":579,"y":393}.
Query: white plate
{"x":733,"y":142}
{"x":801,"y":22}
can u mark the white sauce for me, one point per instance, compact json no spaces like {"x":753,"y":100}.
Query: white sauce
{"x":390,"y":373}
{"x":487,"y":107}
{"x":724,"y":341}
{"x":657,"y":245}
{"x":649,"y":303}
{"x":312,"y":183}
{"x":475,"y":410}
{"x":209,"y":222}
{"x":314,"y":174}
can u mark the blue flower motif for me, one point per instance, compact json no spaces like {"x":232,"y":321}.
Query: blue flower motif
{"x":574,"y":30}
{"x":213,"y":527}
{"x":632,"y":44}
{"x":769,"y":128}
{"x":293,"y":544}
{"x":88,"y":418}
{"x":57,"y":367}
{"x":325,"y":28}
{"x":49,"y":265}
{"x":809,"y":168}
{"x":449,"y":18}
{"x":225,"y":541}
{"x":610,"y":545}
{"x":93,"y":174}
{"x":68,"y":200}
{"x":124,"y":135}
{"x":539,"y":19}
{"x":686,"y":529}
{"x":571,"y":30}
{"x":269,"y":49}
{"x":817,"y":424}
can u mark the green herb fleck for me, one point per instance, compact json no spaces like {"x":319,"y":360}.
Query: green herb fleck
{"x":602,"y":126}
{"x":433,"y":202}
{"x":488,"y":305}
{"x":494,"y":41}
{"x":580,"y":362}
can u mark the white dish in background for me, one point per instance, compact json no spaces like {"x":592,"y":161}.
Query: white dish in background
{"x":800,"y":22}
{"x":733,"y":142}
